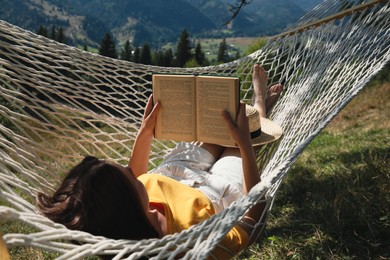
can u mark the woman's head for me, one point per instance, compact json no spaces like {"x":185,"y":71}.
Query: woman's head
{"x":98,"y":197}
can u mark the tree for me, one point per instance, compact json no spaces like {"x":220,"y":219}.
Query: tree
{"x":223,"y":55}
{"x":158,"y":58}
{"x":53,"y":33}
{"x":163,"y":58}
{"x":136,"y":57}
{"x":146,"y":55}
{"x":56,"y":34}
{"x":183,"y":51}
{"x":126,"y":51}
{"x":43,"y":31}
{"x":107,"y":47}
{"x":200,"y":57}
{"x":168,"y":58}
{"x":236,"y":8}
{"x":60,"y":36}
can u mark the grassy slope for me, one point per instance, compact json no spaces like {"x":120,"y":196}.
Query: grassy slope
{"x":335,"y":202}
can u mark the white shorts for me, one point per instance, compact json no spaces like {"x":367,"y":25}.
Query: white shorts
{"x":221,"y":181}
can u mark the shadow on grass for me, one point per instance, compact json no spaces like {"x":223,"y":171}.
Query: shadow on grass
{"x":339,"y":213}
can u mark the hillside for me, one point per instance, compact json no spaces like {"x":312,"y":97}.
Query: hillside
{"x":334,"y":203}
{"x":156,"y":22}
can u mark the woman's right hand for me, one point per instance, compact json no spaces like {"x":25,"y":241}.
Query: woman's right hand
{"x":239,"y":129}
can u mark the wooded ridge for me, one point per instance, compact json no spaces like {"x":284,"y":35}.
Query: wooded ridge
{"x":156,"y":22}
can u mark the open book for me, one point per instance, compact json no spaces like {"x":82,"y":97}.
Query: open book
{"x":191,"y":107}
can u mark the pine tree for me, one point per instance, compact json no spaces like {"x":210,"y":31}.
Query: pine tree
{"x":53,"y":33}
{"x":136,"y":57}
{"x":158,"y":58}
{"x":43,"y":31}
{"x":107,"y":47}
{"x":146,"y":55}
{"x":60,"y":36}
{"x":168,"y":58}
{"x":183,"y":51}
{"x":126,"y":51}
{"x":223,"y":55}
{"x":199,"y":55}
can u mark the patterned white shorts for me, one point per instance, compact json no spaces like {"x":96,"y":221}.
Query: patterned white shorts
{"x":221,"y":181}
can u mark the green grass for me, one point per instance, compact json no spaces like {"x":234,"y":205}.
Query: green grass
{"x":335,"y":201}
{"x":19,"y":252}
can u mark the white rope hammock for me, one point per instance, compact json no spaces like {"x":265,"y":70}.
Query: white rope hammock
{"x":58,"y":104}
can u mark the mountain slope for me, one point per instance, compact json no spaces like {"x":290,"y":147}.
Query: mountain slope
{"x":153,"y":21}
{"x":276,"y":14}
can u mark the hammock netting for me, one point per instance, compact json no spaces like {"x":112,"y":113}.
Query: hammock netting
{"x":59,"y":104}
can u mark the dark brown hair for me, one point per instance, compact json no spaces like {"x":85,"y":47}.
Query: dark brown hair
{"x":98,"y":198}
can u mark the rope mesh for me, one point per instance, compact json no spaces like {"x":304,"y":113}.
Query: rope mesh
{"x":59,"y":103}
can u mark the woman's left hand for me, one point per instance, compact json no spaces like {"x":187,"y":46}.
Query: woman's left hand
{"x":150,"y":117}
{"x":139,"y":160}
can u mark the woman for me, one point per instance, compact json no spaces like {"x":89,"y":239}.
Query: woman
{"x":194,"y":181}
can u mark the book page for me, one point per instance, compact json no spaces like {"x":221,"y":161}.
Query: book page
{"x":176,"y":119}
{"x":215,"y":94}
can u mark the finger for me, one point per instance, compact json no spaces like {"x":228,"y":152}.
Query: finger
{"x":149,"y":106}
{"x":242,"y":111}
{"x":228,"y":119}
{"x":242,"y":108}
{"x":156,"y":108}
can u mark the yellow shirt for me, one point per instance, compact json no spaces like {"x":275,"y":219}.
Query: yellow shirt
{"x":185,"y":206}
